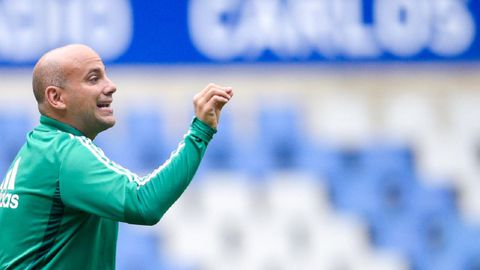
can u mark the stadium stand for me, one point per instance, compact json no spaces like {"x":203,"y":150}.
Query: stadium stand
{"x":301,"y":187}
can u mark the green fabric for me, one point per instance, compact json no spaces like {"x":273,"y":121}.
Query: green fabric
{"x":62,"y":198}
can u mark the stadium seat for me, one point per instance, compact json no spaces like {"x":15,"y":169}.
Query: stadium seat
{"x":467,"y":248}
{"x":410,"y":116}
{"x":371,"y":193}
{"x":365,"y":185}
{"x":223,"y":151}
{"x":14,"y":126}
{"x":385,"y":155}
{"x":463,"y":111}
{"x":423,"y":231}
{"x":116,"y":147}
{"x":447,"y":243}
{"x":340,"y":116}
{"x":323,"y":160}
{"x":139,"y":249}
{"x":145,"y":136}
{"x":296,"y":194}
{"x":280,"y":140}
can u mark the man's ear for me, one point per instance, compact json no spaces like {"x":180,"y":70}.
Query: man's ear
{"x":55,"y":97}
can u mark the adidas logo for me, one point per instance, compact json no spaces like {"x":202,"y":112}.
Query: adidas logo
{"x":7,"y":199}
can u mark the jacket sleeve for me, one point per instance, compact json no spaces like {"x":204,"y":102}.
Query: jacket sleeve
{"x":92,"y":183}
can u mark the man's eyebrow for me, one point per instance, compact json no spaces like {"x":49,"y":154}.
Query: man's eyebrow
{"x":94,"y":70}
{"x":97,"y":69}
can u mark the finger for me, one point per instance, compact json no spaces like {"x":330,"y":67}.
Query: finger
{"x":217,"y":102}
{"x":208,"y":87}
{"x":229,"y":91}
{"x":199,"y":97}
{"x":205,"y":95}
{"x":215,"y":92}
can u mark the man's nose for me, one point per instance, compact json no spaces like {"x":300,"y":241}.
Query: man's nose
{"x":111,"y":87}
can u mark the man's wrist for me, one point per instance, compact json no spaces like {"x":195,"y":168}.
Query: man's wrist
{"x":202,"y":130}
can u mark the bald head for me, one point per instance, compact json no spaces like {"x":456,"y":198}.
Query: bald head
{"x":71,"y":85}
{"x":53,"y":67}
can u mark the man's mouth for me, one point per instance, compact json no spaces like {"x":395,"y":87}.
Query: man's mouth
{"x":105,"y":104}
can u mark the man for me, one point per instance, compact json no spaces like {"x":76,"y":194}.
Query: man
{"x":62,"y":198}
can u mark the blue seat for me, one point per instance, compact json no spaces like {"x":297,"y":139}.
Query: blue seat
{"x":425,"y":229}
{"x":368,"y":192}
{"x":14,"y":126}
{"x":384,"y":155}
{"x":223,"y":151}
{"x":433,"y":242}
{"x":323,"y":159}
{"x":427,"y":199}
{"x":381,"y":157}
{"x":448,"y":243}
{"x":280,"y":141}
{"x":395,"y":232}
{"x":140,"y":250}
{"x":359,"y":185}
{"x":467,"y":248}
{"x":146,"y":139}
{"x":353,"y":194}
{"x":116,"y":147}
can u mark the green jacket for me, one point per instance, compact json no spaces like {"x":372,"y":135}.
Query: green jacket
{"x":62,"y":198}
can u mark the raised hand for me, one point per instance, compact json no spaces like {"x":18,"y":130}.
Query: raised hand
{"x":209,"y":102}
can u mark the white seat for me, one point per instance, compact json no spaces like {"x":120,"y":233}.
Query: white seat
{"x":408,"y":116}
{"x":341,"y":117}
{"x":296,"y":193}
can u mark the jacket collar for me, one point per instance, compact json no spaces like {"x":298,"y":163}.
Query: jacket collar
{"x":55,"y":124}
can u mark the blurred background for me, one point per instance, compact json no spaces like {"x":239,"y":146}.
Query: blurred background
{"x":352,"y":142}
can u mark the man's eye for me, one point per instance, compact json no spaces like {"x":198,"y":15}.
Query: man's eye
{"x":93,"y":79}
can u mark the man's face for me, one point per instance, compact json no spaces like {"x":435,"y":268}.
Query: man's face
{"x":89,"y":94}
